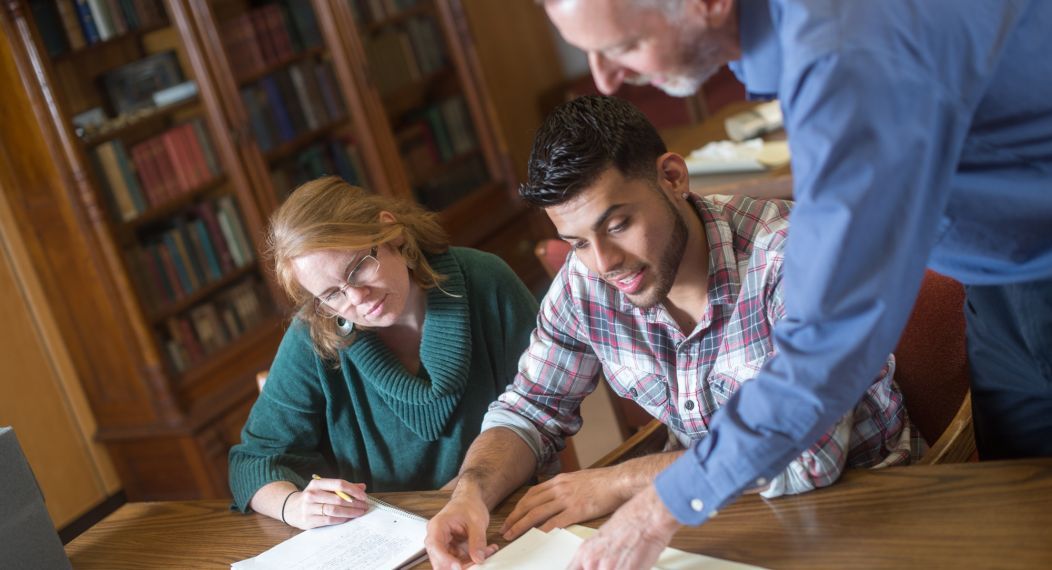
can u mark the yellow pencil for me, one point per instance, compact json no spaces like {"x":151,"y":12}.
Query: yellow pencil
{"x":338,"y":492}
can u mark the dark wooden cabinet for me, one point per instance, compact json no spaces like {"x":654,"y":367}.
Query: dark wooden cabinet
{"x":147,"y":205}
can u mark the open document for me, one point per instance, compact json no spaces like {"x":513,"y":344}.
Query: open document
{"x":537,"y":550}
{"x":384,"y":538}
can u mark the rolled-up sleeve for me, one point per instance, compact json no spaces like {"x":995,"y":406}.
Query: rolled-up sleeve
{"x":557,"y":371}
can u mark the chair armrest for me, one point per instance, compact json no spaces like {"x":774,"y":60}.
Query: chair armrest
{"x":650,"y":439}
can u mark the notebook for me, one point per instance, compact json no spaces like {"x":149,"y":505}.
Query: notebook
{"x":537,"y":550}
{"x":386,"y":537}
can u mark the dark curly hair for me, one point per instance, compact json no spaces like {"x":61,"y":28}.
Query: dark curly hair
{"x":580,"y":139}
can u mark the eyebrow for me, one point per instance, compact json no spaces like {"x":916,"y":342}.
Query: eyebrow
{"x":599,"y":222}
{"x":346,"y":271}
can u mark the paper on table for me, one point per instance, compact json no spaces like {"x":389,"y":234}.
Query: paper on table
{"x":385,"y":537}
{"x":753,"y":155}
{"x":675,"y":559}
{"x":536,"y":550}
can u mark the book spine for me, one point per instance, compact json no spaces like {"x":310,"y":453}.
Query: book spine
{"x":100,"y":13}
{"x":67,"y":11}
{"x":278,"y":109}
{"x":131,"y":180}
{"x":165,"y":253}
{"x":181,"y":262}
{"x":111,"y":174}
{"x":183,"y":170}
{"x":87,"y":22}
{"x":196,"y":249}
{"x":206,"y":213}
{"x":201,"y":132}
{"x":300,"y":87}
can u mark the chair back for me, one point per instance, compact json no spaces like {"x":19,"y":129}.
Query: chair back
{"x":931,"y":360}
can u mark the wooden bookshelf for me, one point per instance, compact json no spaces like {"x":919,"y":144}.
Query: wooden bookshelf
{"x":303,"y":108}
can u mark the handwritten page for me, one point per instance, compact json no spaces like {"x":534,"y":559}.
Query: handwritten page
{"x":385,"y":537}
{"x":537,"y":550}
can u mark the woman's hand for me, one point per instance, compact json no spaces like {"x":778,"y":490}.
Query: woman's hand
{"x":319,"y":505}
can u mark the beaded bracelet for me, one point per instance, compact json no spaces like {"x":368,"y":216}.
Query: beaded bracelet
{"x":283,"y":506}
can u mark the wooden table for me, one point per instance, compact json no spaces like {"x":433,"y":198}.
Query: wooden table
{"x":972,"y":515}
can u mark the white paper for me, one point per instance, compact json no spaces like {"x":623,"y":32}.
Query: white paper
{"x":381,"y":538}
{"x":536,"y":550}
{"x":753,"y":155}
{"x":674,"y":559}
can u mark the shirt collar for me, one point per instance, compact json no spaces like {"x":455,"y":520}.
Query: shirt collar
{"x":760,"y":67}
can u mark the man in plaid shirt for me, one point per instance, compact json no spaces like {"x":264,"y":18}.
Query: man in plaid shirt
{"x":673,"y":298}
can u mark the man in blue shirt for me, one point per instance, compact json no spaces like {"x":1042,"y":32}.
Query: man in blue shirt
{"x":921,"y":133}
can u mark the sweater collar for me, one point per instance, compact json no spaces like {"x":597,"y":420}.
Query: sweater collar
{"x":425,"y":402}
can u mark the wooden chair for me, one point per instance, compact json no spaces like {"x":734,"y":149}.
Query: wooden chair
{"x":931,"y":368}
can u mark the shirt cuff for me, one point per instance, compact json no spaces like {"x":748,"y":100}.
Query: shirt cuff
{"x":686,"y":493}
{"x":520,"y":426}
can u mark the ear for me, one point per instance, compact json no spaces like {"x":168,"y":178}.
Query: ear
{"x":389,"y":218}
{"x":672,"y":173}
{"x":713,"y":12}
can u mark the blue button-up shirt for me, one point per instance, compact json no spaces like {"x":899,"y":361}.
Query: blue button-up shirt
{"x":921,"y":135}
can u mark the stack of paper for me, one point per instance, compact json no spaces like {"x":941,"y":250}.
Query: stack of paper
{"x":753,"y":155}
{"x":537,"y":550}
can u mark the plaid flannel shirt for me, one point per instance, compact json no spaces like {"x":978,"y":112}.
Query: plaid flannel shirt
{"x":586,"y":325}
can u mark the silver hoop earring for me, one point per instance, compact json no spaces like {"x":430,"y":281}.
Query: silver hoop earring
{"x":344,"y":327}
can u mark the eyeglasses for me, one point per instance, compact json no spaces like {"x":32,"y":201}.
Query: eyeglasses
{"x":329,"y":305}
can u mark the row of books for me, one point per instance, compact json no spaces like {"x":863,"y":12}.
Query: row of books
{"x":158,"y":169}
{"x":196,"y":249}
{"x":292,"y":101}
{"x":337,"y":156}
{"x":454,"y":183}
{"x":400,"y":56}
{"x":268,"y":35}
{"x":73,"y":24}
{"x":208,"y":327}
{"x":376,"y":11}
{"x":435,"y":135}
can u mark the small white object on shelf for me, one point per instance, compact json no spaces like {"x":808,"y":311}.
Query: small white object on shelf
{"x":761,"y":119}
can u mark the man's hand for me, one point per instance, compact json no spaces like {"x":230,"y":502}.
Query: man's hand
{"x":567,"y":499}
{"x":456,"y":536}
{"x":633,"y":538}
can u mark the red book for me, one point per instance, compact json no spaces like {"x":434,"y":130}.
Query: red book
{"x":189,"y":340}
{"x":155,"y":274}
{"x":266,"y":45}
{"x":192,"y":151}
{"x":169,"y":183}
{"x":277,"y":31}
{"x":176,"y":153}
{"x":144,"y":165}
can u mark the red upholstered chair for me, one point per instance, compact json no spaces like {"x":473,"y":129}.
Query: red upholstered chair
{"x":931,"y":367}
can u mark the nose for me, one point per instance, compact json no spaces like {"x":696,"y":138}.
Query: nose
{"x":608,"y":75}
{"x":607,"y":258}
{"x":357,"y":295}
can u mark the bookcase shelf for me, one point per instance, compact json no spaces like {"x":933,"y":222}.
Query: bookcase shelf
{"x":180,"y":305}
{"x":96,"y":47}
{"x":291,"y":147}
{"x":306,"y":54}
{"x":167,"y":209}
{"x":146,"y":121}
{"x":424,"y":8}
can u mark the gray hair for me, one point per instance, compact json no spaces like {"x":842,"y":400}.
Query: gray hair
{"x":671,"y":8}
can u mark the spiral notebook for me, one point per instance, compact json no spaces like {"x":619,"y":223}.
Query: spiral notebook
{"x":386,"y":537}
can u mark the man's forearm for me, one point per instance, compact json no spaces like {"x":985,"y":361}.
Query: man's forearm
{"x":497,"y":463}
{"x":641,"y":471}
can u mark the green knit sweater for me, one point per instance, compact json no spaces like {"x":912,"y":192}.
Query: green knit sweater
{"x":370,"y":421}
